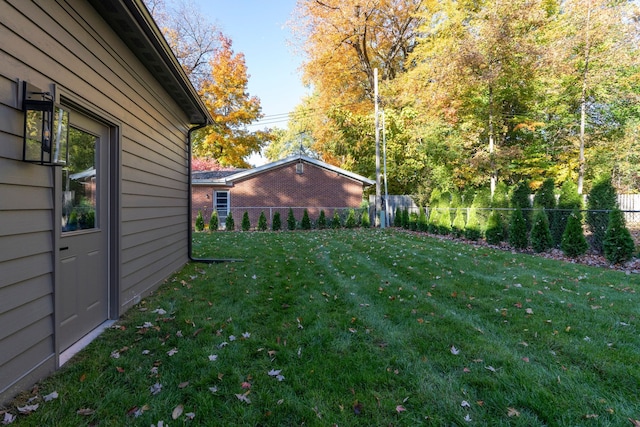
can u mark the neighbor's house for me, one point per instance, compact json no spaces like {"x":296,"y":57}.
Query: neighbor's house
{"x":83,"y":240}
{"x":299,"y":182}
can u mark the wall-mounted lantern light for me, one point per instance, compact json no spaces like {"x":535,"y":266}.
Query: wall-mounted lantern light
{"x":43,"y":144}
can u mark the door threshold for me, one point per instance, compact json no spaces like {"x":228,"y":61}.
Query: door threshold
{"x":66,"y":355}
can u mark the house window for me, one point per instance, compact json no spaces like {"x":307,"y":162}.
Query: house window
{"x":221,"y":204}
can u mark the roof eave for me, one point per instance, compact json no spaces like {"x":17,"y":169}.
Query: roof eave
{"x":136,"y":27}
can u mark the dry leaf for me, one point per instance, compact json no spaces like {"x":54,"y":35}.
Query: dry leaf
{"x":400,"y":408}
{"x":49,"y":397}
{"x":183,"y":384}
{"x":634,"y":423}
{"x":513,"y":412}
{"x":27,"y":409}
{"x":8,"y":418}
{"x":177,"y":411}
{"x":243,"y":398}
{"x":85,"y":411}
{"x":454,"y":350}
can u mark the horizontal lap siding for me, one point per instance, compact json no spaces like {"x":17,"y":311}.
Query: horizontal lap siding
{"x":68,"y":44}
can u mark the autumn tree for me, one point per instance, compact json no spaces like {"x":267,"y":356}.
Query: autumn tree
{"x":224,"y":93}
{"x":344,"y":41}
{"x":191,"y":36}
{"x":475,"y":68}
{"x":591,"y":49}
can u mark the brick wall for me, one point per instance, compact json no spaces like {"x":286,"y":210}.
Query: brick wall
{"x":316,"y":188}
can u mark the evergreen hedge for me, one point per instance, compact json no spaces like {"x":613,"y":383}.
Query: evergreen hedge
{"x":573,"y":242}
{"x":276,"y":223}
{"x":397,"y":218}
{"x":518,"y":235}
{"x":322,"y":220}
{"x":618,"y":244}
{"x":229,"y":223}
{"x":495,"y":228}
{"x":351,"y":219}
{"x":262,"y":222}
{"x":245,"y":224}
{"x":199,"y":222}
{"x":306,"y":222}
{"x":601,"y":200}
{"x":541,"y":239}
{"x":365,"y":222}
{"x":336,"y":222}
{"x":213,"y":221}
{"x":568,"y":201}
{"x":291,"y":220}
{"x":472,"y":228}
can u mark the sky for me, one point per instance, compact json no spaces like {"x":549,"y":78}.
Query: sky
{"x":258,"y":29}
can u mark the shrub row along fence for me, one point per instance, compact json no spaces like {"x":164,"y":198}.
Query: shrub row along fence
{"x":629,"y":205}
{"x":282,"y":218}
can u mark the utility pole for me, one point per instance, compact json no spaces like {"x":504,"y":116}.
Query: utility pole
{"x":379,"y":213}
{"x":384,"y":169}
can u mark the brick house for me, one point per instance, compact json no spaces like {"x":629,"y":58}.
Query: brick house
{"x":298,"y":182}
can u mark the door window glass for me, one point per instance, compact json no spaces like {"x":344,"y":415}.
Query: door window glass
{"x":79,"y":182}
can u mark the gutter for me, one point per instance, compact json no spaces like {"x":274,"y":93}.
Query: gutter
{"x":189,"y":204}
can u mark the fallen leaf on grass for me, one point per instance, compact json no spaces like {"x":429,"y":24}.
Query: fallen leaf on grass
{"x":454,"y":350}
{"x":49,"y":397}
{"x":490,"y":368}
{"x":400,"y":408}
{"x":513,"y":412}
{"x":120,"y":369}
{"x":183,"y":384}
{"x":177,"y":411}
{"x":245,"y":385}
{"x":8,"y":418}
{"x":467,"y":418}
{"x":465,"y":404}
{"x":213,"y":357}
{"x":172,"y":352}
{"x":357,"y":408}
{"x":27,"y":409}
{"x":634,"y":423}
{"x":155,"y":389}
{"x":244,"y":398}
{"x":85,"y":411}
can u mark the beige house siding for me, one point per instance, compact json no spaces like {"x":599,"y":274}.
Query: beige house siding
{"x":69,"y":44}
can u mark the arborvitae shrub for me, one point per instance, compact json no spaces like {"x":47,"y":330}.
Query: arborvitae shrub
{"x":306,"y":222}
{"x":422,"y":220}
{"x":432,"y":222}
{"x":568,"y":201}
{"x":444,"y":214}
{"x":541,"y":239}
{"x":351,"y":219}
{"x":276,"y":223}
{"x":495,"y":228}
{"x":322,"y":220}
{"x":602,"y":197}
{"x":520,"y":200}
{"x":405,"y":218}
{"x":262,"y":222}
{"x":246,"y":224}
{"x":365,"y":222}
{"x":518,"y":235}
{"x":482,"y":203}
{"x":457,"y":229}
{"x":213,"y":221}
{"x":199,"y":222}
{"x":472,"y":228}
{"x":397,"y":218}
{"x":413,"y":221}
{"x":229,"y":223}
{"x":546,"y":195}
{"x":336,"y":222}
{"x":573,"y":242}
{"x":618,"y":243}
{"x":291,"y":220}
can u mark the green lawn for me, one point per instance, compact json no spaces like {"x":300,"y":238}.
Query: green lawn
{"x":362,"y":328}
